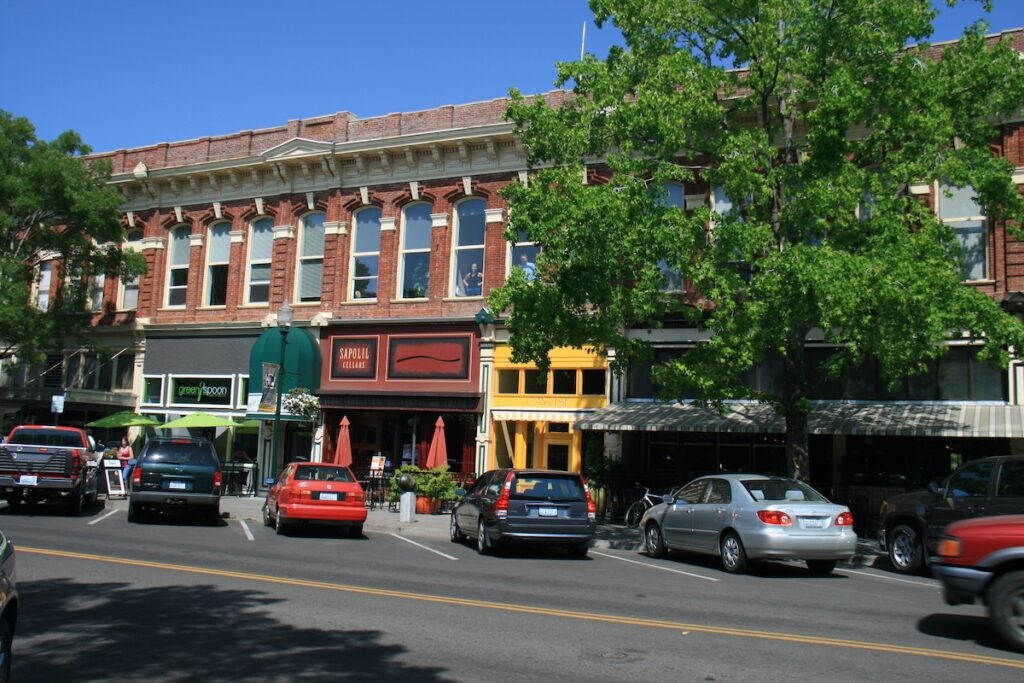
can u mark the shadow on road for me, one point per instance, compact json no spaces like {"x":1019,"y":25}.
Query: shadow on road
{"x":962,"y":627}
{"x":111,"y":631}
{"x":767,"y":569}
{"x":49,"y":509}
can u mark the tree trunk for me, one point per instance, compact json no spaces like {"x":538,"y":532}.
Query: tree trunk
{"x":797,"y":457}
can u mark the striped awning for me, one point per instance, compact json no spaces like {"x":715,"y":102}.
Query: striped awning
{"x":526,"y":415}
{"x":892,"y":419}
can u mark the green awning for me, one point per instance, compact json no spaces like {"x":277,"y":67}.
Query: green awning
{"x":197,"y":420}
{"x":301,"y":365}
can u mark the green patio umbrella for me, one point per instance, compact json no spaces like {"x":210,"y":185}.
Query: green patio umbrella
{"x":248,"y":426}
{"x":196,"y":420}
{"x":125,"y":418}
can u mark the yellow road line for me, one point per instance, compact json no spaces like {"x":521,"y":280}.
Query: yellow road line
{"x":543,"y":611}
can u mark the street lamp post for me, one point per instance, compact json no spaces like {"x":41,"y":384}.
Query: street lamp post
{"x":284,"y":324}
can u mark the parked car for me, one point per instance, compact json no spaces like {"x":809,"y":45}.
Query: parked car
{"x":742,"y":517}
{"x":175,"y":473}
{"x":911,"y":523}
{"x":8,"y":606}
{"x":540,"y":506}
{"x":315,"y":493}
{"x":39,"y":462}
{"x":984,"y":559}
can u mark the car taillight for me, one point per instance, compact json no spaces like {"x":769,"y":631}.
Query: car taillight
{"x":501,"y":505}
{"x":777,"y":517}
{"x":358,"y":497}
{"x":950,"y":547}
{"x":137,"y":476}
{"x":218,"y":479}
{"x":591,"y":505}
{"x":844,"y":519}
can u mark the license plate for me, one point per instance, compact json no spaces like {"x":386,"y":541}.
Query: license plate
{"x":548,"y":512}
{"x":812,"y":523}
{"x":28,"y":480}
{"x":328,"y":496}
{"x":177,"y":485}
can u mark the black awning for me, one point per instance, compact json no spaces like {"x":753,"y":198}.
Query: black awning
{"x":438,"y":403}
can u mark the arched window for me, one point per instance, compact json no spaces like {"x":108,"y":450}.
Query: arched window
{"x":468,"y":254}
{"x":415,"y":261}
{"x":261,"y":249}
{"x":365,"y":253}
{"x":177,"y":266}
{"x":675,"y":199}
{"x":310,"y":280}
{"x":130,"y":290}
{"x":218,"y":253}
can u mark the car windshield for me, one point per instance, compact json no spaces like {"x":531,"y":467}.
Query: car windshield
{"x":180,"y":453}
{"x":781,"y":491}
{"x":322,"y":473}
{"x":534,"y":487}
{"x":46,"y":437}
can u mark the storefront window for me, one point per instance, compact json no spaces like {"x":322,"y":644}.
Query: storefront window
{"x":508,"y":381}
{"x":593,"y":382}
{"x":153,"y":389}
{"x":563,"y":382}
{"x":536,"y":382}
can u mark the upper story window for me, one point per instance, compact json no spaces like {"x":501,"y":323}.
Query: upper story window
{"x":218,"y":253}
{"x":415,"y":261}
{"x":177,"y":266}
{"x":468,"y":273}
{"x":130,"y":290}
{"x":261,"y":249}
{"x":96,"y":285}
{"x":43,"y":285}
{"x":524,"y":256}
{"x":673,"y":199}
{"x":311,"y":258}
{"x":366,"y":253}
{"x":962,"y":212}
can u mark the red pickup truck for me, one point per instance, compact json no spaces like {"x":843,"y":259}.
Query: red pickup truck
{"x":48,"y":463}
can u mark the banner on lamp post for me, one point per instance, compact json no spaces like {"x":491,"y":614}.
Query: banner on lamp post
{"x":269,"y":384}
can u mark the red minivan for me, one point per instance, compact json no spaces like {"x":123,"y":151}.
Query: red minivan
{"x":317,"y":493}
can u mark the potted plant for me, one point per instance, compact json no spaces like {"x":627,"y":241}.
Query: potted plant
{"x":432,"y":487}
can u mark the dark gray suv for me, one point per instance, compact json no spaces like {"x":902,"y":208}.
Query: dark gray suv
{"x":539,"y":506}
{"x":176,"y":473}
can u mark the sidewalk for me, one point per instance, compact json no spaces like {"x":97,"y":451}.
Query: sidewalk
{"x":608,"y":536}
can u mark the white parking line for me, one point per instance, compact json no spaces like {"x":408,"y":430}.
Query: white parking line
{"x":889,"y":578}
{"x":245,"y":528}
{"x":100,"y":519}
{"x":654,"y":566}
{"x":420,"y":545}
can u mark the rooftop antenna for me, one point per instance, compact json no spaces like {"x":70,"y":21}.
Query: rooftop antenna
{"x":583,"y":41}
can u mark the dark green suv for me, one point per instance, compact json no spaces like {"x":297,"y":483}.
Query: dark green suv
{"x":176,"y":473}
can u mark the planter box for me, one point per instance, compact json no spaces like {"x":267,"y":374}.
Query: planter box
{"x":426,"y":506}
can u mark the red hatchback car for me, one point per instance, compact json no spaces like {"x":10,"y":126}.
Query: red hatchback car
{"x":317,"y":493}
{"x":984,"y":558}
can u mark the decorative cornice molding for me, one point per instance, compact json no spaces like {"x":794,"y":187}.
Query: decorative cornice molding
{"x":153,"y":242}
{"x":321,"y":319}
{"x":494,"y":215}
{"x":387,"y":224}
{"x":195,"y":239}
{"x":335,"y":227}
{"x":439,"y":220}
{"x":237,"y":236}
{"x":284,"y":232}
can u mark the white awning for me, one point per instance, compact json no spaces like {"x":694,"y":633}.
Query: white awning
{"x":973,"y":420}
{"x":526,"y":415}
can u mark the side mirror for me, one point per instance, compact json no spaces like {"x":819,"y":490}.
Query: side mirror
{"x":933,"y":487}
{"x":667,"y":499}
{"x":460,"y":492}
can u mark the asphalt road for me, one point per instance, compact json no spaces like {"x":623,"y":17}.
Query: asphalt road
{"x":176,"y":600}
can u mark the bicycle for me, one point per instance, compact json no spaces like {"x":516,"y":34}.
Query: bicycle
{"x":635,"y":512}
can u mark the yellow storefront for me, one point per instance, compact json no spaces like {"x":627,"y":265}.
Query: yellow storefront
{"x":533,"y":414}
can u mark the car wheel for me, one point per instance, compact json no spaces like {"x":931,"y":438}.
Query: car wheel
{"x":654,"y":541}
{"x":453,"y":530}
{"x":75,"y":503}
{"x":483,"y":543}
{"x":905,"y":551}
{"x":579,"y":550}
{"x":1005,"y":600}
{"x":734,"y":557}
{"x":821,"y":567}
{"x":6,"y":643}
{"x":279,"y":524}
{"x":356,"y":531}
{"x":92,"y":498}
{"x":266,"y":516}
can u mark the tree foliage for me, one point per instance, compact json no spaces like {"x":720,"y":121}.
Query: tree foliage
{"x":53,"y":205}
{"x":816,"y":119}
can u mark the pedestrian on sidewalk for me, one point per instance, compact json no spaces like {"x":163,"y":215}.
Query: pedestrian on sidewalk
{"x":127,"y":459}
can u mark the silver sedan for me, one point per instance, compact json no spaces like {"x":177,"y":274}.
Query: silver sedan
{"x":742,"y":517}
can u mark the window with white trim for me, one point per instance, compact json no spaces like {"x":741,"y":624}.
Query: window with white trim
{"x":177,"y":266}
{"x":130,"y":290}
{"x":261,"y":250}
{"x":962,"y":212}
{"x":365,"y":253}
{"x":96,"y":285}
{"x":310,"y":280}
{"x":674,"y":198}
{"x":524,"y":256}
{"x":468,"y":254}
{"x":415,"y":261}
{"x":43,"y":282}
{"x":218,"y":253}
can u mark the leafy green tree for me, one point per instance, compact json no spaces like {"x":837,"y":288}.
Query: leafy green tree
{"x":816,"y":119}
{"x":53,"y":205}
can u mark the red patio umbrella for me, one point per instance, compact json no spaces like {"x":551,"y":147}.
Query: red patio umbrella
{"x":343,"y":449}
{"x":438,"y":454}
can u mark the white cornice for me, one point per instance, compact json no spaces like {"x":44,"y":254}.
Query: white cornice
{"x":439,"y":220}
{"x":335,"y":227}
{"x":284,"y":232}
{"x":236,"y":236}
{"x":152,"y":242}
{"x":387,"y":224}
{"x":494,"y":215}
{"x":195,"y":239}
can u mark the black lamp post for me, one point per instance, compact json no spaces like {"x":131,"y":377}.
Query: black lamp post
{"x":284,"y":325}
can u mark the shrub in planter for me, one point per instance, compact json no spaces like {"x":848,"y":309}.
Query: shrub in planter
{"x":432,"y":486}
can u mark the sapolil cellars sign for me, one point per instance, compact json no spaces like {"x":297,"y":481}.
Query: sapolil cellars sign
{"x":354,"y":358}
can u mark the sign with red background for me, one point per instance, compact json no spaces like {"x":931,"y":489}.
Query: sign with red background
{"x":428,"y":358}
{"x":354,"y":358}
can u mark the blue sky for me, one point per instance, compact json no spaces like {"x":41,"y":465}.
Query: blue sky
{"x":132,"y":73}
